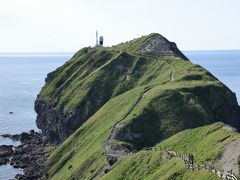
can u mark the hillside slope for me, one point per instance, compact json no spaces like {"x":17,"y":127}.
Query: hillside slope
{"x":122,"y":99}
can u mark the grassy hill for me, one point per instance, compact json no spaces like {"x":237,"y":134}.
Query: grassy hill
{"x":127,"y":97}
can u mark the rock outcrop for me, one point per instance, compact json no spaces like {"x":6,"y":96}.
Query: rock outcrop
{"x":52,"y":122}
{"x":159,"y":46}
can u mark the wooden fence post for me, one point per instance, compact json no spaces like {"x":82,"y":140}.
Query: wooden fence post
{"x":221,"y":173}
{"x":209,"y":166}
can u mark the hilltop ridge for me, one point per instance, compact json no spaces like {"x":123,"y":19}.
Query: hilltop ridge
{"x":153,"y":44}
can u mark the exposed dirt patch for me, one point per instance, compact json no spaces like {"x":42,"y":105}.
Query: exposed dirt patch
{"x":230,"y":128}
{"x":229,"y":160}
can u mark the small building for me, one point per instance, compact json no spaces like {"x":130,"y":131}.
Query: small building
{"x":101,"y":41}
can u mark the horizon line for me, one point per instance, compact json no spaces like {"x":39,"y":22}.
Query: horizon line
{"x":73,"y":52}
{"x":67,"y":52}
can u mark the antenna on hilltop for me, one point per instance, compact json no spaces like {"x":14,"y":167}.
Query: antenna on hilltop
{"x":96,"y":38}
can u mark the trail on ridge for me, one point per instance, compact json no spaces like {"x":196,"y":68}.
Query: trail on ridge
{"x":109,"y":144}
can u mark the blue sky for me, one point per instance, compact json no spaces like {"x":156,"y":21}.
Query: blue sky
{"x":68,"y":25}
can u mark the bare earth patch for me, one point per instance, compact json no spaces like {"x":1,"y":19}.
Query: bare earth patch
{"x":230,"y":128}
{"x":229,"y":160}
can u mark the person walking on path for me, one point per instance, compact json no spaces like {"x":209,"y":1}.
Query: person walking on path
{"x":191,"y":159}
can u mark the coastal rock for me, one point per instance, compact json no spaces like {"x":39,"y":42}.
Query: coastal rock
{"x":6,"y":150}
{"x":14,"y":137}
{"x":30,"y":155}
{"x":25,"y":137}
{"x":3,"y":161}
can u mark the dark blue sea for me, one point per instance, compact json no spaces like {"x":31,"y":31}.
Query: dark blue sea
{"x":22,"y":76}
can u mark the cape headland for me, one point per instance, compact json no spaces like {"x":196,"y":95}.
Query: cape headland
{"x":107,"y":105}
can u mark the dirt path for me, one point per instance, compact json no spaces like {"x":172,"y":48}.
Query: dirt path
{"x":230,"y":156}
{"x":172,"y":77}
{"x":110,"y":141}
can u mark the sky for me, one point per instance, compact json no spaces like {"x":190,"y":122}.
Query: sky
{"x":69,"y":25}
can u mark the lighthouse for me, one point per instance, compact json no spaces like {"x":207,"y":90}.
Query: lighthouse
{"x":101,"y":41}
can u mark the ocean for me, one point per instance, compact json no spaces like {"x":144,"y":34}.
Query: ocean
{"x":22,"y":76}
